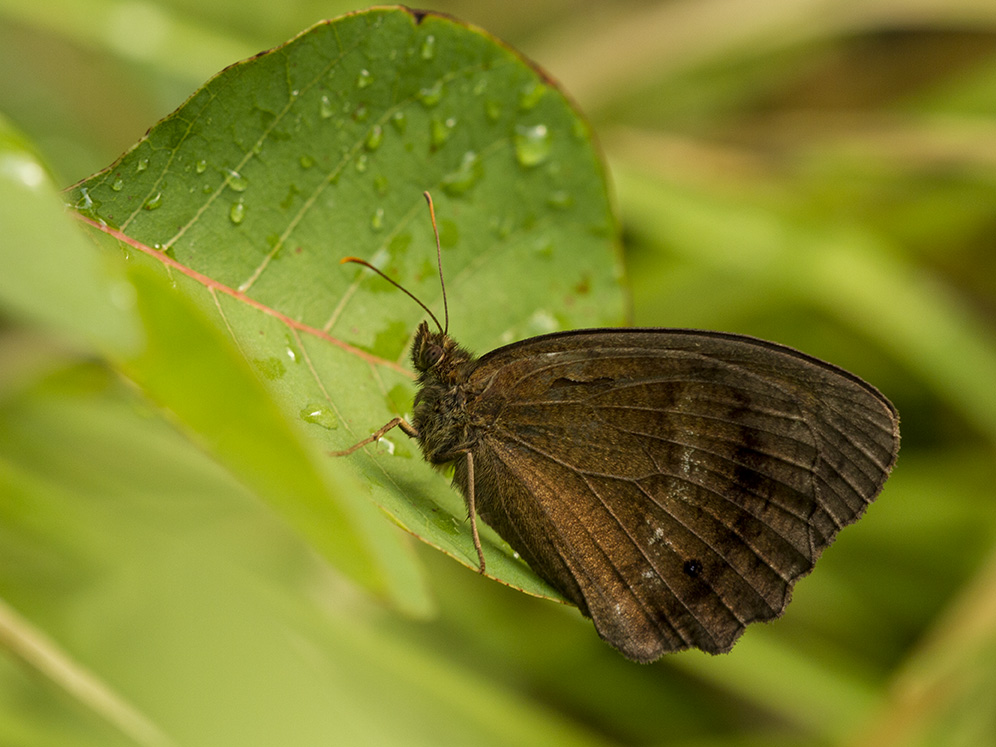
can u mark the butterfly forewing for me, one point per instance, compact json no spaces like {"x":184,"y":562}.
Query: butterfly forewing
{"x":673,"y":484}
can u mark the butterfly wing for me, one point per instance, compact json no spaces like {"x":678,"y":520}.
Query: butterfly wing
{"x":673,"y":484}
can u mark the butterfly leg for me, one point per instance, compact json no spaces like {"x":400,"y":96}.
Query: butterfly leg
{"x":401,"y":423}
{"x":472,"y":509}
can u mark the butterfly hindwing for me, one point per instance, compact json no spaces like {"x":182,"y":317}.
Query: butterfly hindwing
{"x":673,"y":484}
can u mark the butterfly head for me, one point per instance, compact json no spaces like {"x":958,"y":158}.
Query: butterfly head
{"x":435,"y":354}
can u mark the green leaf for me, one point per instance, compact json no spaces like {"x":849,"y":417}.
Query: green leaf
{"x":251,"y":193}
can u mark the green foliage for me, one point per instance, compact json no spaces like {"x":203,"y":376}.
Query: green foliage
{"x":180,"y":560}
{"x":261,"y":182}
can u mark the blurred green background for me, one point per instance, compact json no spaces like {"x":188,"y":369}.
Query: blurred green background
{"x":818,"y":173}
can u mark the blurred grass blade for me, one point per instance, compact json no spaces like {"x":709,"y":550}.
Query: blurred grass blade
{"x":925,"y":701}
{"x":42,"y":654}
{"x":51,"y":276}
{"x":849,"y":274}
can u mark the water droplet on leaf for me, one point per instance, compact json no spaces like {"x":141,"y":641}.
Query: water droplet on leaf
{"x":374,"y":138}
{"x":325,"y":109}
{"x":320,"y":415}
{"x":440,"y":131}
{"x":428,"y":50}
{"x":432,"y":95}
{"x":237,"y":212}
{"x":465,"y":176}
{"x":530,"y":95}
{"x":154,"y":202}
{"x":532,"y":145}
{"x":364,"y":79}
{"x":237,"y":182}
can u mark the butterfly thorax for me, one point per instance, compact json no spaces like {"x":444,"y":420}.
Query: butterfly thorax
{"x":441,"y":417}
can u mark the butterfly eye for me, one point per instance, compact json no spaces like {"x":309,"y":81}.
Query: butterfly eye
{"x":433,"y":355}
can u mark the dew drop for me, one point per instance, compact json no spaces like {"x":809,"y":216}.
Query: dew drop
{"x":201,"y":166}
{"x":85,"y":203}
{"x":142,"y":165}
{"x":325,"y":109}
{"x":428,"y":50}
{"x":237,"y":182}
{"x":377,"y":221}
{"x":530,"y":95}
{"x":380,"y":184}
{"x":432,"y":95}
{"x":479,"y":86}
{"x":465,"y":176}
{"x":399,"y":122}
{"x":440,"y":131}
{"x":532,"y":145}
{"x":374,"y":138}
{"x":364,"y":79}
{"x":361,"y":113}
{"x":306,"y":161}
{"x":362,"y":162}
{"x":237,"y":212}
{"x":319,"y":415}
{"x":154,"y":202}
{"x":118,"y":185}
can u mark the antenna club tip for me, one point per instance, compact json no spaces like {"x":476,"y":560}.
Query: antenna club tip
{"x":346,"y":260}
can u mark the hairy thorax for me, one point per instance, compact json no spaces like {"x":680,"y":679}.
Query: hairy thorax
{"x":445,"y":428}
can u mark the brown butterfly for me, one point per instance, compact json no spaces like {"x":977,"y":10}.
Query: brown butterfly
{"x":674,"y":484}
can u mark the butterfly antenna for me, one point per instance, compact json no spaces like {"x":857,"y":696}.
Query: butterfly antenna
{"x":439,"y":263}
{"x":395,"y":283}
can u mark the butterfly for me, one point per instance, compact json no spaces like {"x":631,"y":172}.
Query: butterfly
{"x":673,"y":484}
